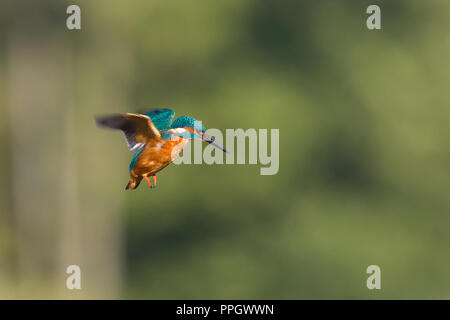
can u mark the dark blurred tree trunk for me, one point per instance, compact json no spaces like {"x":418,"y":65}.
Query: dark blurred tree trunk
{"x":52,"y":229}
{"x":37,"y":105}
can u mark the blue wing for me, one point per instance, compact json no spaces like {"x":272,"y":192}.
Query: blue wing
{"x":161,"y":118}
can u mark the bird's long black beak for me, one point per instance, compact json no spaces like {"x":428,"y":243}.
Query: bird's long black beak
{"x":212,"y":141}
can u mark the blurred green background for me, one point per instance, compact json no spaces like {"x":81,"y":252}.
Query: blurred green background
{"x":364,"y":155}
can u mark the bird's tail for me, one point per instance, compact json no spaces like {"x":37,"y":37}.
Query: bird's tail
{"x":133,"y":183}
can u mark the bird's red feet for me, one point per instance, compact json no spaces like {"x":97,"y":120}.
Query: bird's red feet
{"x":151,"y":183}
{"x":148,"y":182}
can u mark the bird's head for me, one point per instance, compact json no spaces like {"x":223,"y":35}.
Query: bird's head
{"x":194,"y":129}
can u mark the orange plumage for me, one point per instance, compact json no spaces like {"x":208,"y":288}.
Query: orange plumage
{"x":156,"y":156}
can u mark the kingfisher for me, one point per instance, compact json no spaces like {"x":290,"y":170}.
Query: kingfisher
{"x":155,"y":139}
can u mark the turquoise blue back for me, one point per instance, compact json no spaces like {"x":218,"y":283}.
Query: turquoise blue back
{"x":161,"y":118}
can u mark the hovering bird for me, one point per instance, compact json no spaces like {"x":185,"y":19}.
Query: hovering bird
{"x":155,"y":139}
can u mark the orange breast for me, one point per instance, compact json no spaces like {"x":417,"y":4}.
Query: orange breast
{"x":157,"y":156}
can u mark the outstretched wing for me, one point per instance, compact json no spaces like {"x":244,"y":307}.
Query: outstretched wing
{"x":161,"y":118}
{"x":137,"y":128}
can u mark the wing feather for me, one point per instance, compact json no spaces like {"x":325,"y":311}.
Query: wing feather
{"x":137,"y":128}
